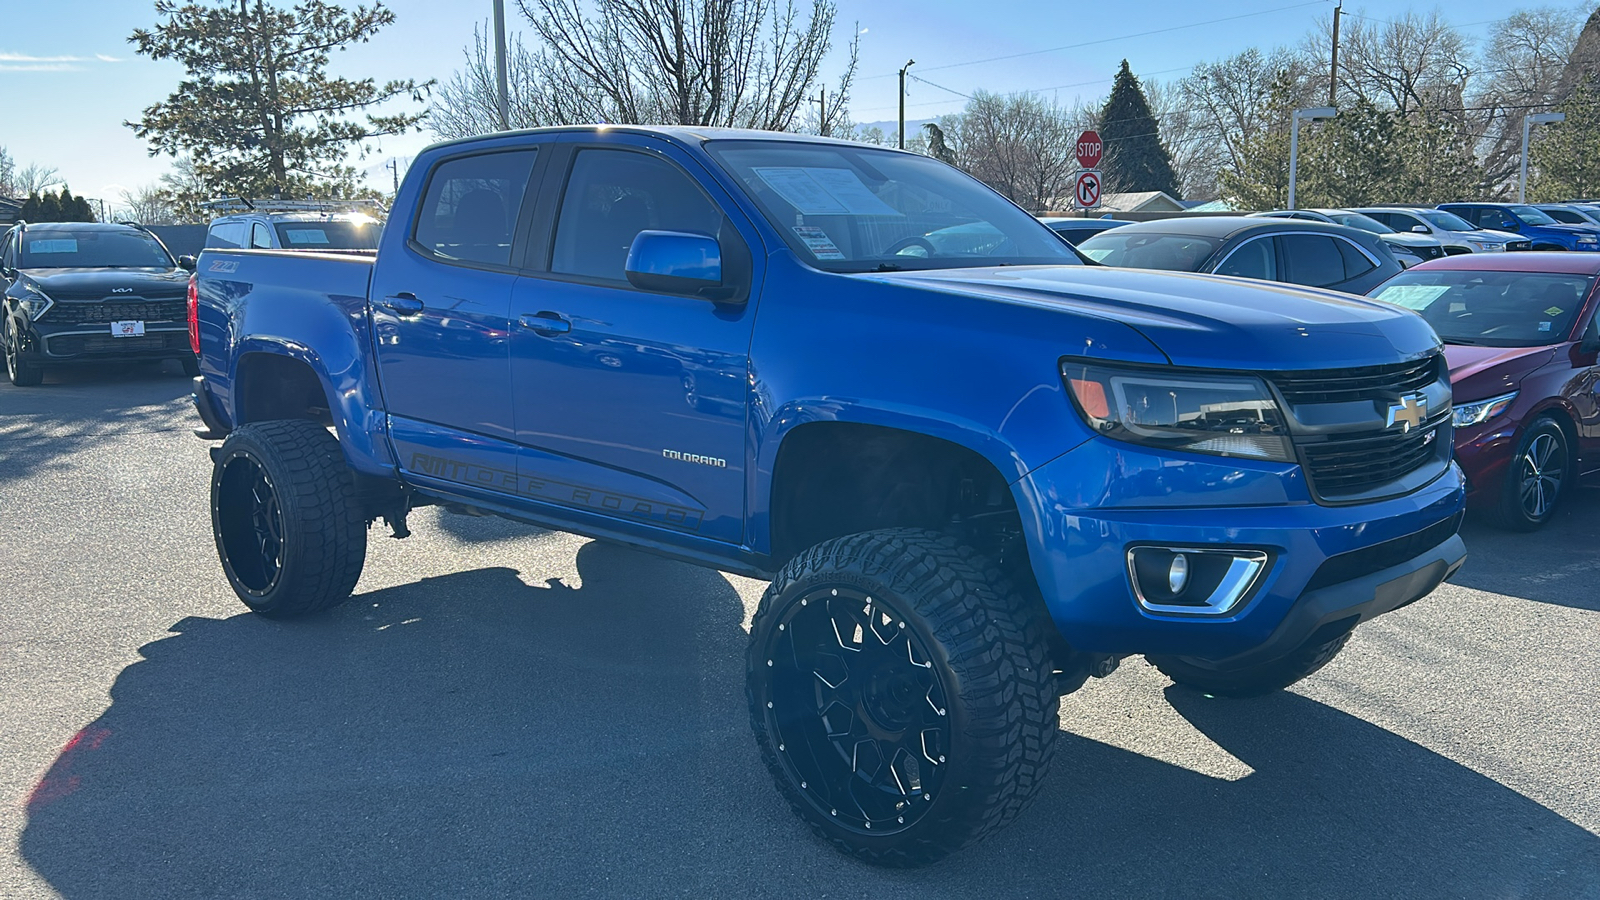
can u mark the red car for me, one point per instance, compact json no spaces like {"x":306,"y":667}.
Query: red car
{"x":1521,"y":338}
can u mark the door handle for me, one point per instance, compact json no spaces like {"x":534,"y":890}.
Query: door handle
{"x":402,"y":304}
{"x":546,"y":322}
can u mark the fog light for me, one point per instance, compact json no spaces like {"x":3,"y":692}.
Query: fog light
{"x":1178,"y":574}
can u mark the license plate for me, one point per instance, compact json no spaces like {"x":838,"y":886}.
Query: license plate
{"x":127,"y":329}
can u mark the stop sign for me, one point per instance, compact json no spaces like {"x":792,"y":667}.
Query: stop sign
{"x":1089,"y":149}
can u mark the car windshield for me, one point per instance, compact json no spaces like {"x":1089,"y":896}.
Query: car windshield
{"x":856,"y":210}
{"x":341,"y":235}
{"x":86,"y":249}
{"x":1357,"y":220}
{"x":1449,"y":221}
{"x":1533,"y":216}
{"x":1149,"y":250}
{"x":1493,"y":309}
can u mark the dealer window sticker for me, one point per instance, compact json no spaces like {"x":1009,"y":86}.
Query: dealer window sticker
{"x":815,"y":191}
{"x":1416,"y":297}
{"x":54,"y":245}
{"x":306,"y":235}
{"x":818,"y":242}
{"x":1553,"y":311}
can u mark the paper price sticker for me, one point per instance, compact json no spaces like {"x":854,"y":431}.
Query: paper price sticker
{"x":818,"y":242}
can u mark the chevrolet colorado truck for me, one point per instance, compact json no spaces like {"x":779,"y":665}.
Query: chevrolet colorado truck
{"x":976,"y":468}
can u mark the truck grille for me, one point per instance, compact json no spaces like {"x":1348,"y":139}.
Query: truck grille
{"x":1358,"y":463}
{"x":1519,"y":245}
{"x":122,"y":311}
{"x":1365,"y":383}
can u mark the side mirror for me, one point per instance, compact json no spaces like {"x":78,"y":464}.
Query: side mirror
{"x":676,"y":262}
{"x":187,"y":263}
{"x":1591,"y":336}
{"x":1511,"y":226}
{"x":1420,"y":229}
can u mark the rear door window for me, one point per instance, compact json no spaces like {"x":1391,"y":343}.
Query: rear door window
{"x":1312,"y":259}
{"x":1252,"y":259}
{"x":471,"y":208}
{"x":228,"y":235}
{"x":1356,"y":262}
{"x":260,"y":237}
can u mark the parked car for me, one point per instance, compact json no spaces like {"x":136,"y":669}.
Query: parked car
{"x":1521,"y":335}
{"x":1570,"y":213}
{"x":1409,"y":249}
{"x":1455,"y":233}
{"x":78,"y":292}
{"x":1543,"y":232}
{"x":292,"y":225}
{"x":1074,"y":230}
{"x":925,"y":417}
{"x":1314,"y":254}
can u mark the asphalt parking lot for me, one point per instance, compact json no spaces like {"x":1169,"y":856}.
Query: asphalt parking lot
{"x":504,"y":712}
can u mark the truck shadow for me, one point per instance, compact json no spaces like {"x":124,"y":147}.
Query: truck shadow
{"x":1556,"y":564}
{"x":475,"y":736}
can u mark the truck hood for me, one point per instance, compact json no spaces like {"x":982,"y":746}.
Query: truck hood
{"x":1206,"y":321}
{"x":1478,"y":373}
{"x":67,"y":285}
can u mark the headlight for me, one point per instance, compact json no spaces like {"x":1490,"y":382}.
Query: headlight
{"x":35,"y":302}
{"x":1483,"y":410}
{"x":1225,"y":415}
{"x":1488,"y":245}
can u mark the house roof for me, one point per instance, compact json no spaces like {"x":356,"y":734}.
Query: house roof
{"x":1140,"y":201}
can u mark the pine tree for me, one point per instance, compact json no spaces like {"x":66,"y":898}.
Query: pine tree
{"x":1135,"y":159}
{"x":1562,"y":161}
{"x":30,"y":208}
{"x":49,"y":207}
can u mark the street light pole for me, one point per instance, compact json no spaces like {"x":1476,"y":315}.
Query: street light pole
{"x":1528,"y":122}
{"x":500,"y":63}
{"x":1314,"y":114}
{"x":909,"y":64}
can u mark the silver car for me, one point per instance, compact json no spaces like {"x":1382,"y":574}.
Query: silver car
{"x":1455,"y":233}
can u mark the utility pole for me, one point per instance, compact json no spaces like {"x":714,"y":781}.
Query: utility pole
{"x":500,"y":63}
{"x":394,"y":168}
{"x":822,"y":111}
{"x":909,"y":64}
{"x":1333,"y":74}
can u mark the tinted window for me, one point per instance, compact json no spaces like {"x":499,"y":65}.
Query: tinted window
{"x":1356,"y":263}
{"x":613,"y":195}
{"x":8,"y":258}
{"x":1252,"y":259}
{"x":354,"y":235}
{"x":1496,"y":309}
{"x":1493,"y":218}
{"x":1566,"y":216}
{"x":470,"y":211}
{"x":228,"y":235}
{"x":260,"y":237}
{"x":1363,"y":222}
{"x":1312,"y":259}
{"x":1147,"y":250}
{"x":63,"y":249}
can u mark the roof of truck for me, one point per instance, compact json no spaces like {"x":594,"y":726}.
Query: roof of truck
{"x":686,"y":133}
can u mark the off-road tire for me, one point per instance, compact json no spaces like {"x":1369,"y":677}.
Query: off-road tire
{"x":1252,"y":680}
{"x":19,"y":371}
{"x":1513,"y":511}
{"x":987,"y":656}
{"x":320,"y":535}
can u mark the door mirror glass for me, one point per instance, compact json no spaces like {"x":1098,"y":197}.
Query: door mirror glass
{"x":676,"y":262}
{"x":187,"y":263}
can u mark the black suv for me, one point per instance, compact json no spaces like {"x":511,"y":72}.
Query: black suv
{"x":86,"y":292}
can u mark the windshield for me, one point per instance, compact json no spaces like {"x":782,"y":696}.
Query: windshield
{"x":1449,"y":221}
{"x":1533,"y":216}
{"x":855,"y":210}
{"x":1146,"y":250}
{"x":328,"y":235}
{"x":1357,"y":220}
{"x":1494,"y":309}
{"x":62,"y":249}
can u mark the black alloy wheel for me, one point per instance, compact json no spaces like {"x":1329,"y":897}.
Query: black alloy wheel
{"x":1536,"y":478}
{"x":250,"y":524}
{"x":19,"y":371}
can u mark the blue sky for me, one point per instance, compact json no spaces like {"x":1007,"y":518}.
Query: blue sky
{"x":70,"y":78}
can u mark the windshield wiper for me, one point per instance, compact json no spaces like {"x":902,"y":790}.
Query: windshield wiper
{"x":889,"y":267}
{"x":1462,"y":341}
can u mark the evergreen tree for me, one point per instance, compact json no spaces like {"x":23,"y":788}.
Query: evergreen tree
{"x":30,"y":208}
{"x":1135,"y":159}
{"x":49,"y":207}
{"x":1562,"y":163}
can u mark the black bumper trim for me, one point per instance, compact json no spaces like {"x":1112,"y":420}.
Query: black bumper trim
{"x":214,"y":430}
{"x":1359,"y":599}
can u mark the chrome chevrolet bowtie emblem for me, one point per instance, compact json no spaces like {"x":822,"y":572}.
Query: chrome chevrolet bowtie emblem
{"x":1408,"y":413}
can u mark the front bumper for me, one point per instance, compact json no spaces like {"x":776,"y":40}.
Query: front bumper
{"x":1329,"y":564}
{"x":1484,"y":453}
{"x":46,"y":344}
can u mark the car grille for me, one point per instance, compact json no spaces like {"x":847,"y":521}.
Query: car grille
{"x":75,"y":344}
{"x":1519,"y":245}
{"x":121,"y":311}
{"x":1365,"y":383}
{"x":1352,"y":465}
{"x":1428,"y":252}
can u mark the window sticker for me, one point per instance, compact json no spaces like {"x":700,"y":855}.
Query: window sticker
{"x":1413,"y":296}
{"x":818,"y":242}
{"x":824,"y":192}
{"x":54,"y":245}
{"x":306,"y":235}
{"x":1544,"y":326}
{"x":1553,"y":311}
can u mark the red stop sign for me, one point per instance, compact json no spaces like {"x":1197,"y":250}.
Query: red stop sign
{"x":1089,"y":149}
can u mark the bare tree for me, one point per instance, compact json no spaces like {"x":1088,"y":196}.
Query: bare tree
{"x":1233,"y":101}
{"x":1519,"y":71}
{"x":35,"y":179}
{"x":1192,"y":140}
{"x":741,"y":63}
{"x":469,"y":104}
{"x":1021,"y":145}
{"x":150,"y":204}
{"x":1406,"y":63}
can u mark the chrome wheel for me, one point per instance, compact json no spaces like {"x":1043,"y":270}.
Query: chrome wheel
{"x":1541,"y":468}
{"x":858,"y":709}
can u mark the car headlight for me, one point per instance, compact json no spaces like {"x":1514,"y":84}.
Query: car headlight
{"x":35,"y":302}
{"x":1482,"y":410}
{"x":1225,"y":415}
{"x":1488,"y":245}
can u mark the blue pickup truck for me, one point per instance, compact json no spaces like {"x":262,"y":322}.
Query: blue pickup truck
{"x":976,"y":468}
{"x":1532,"y":223}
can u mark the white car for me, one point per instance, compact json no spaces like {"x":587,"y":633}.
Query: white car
{"x":1455,"y":233}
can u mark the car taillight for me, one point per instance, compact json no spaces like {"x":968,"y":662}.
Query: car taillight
{"x":194,"y":313}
